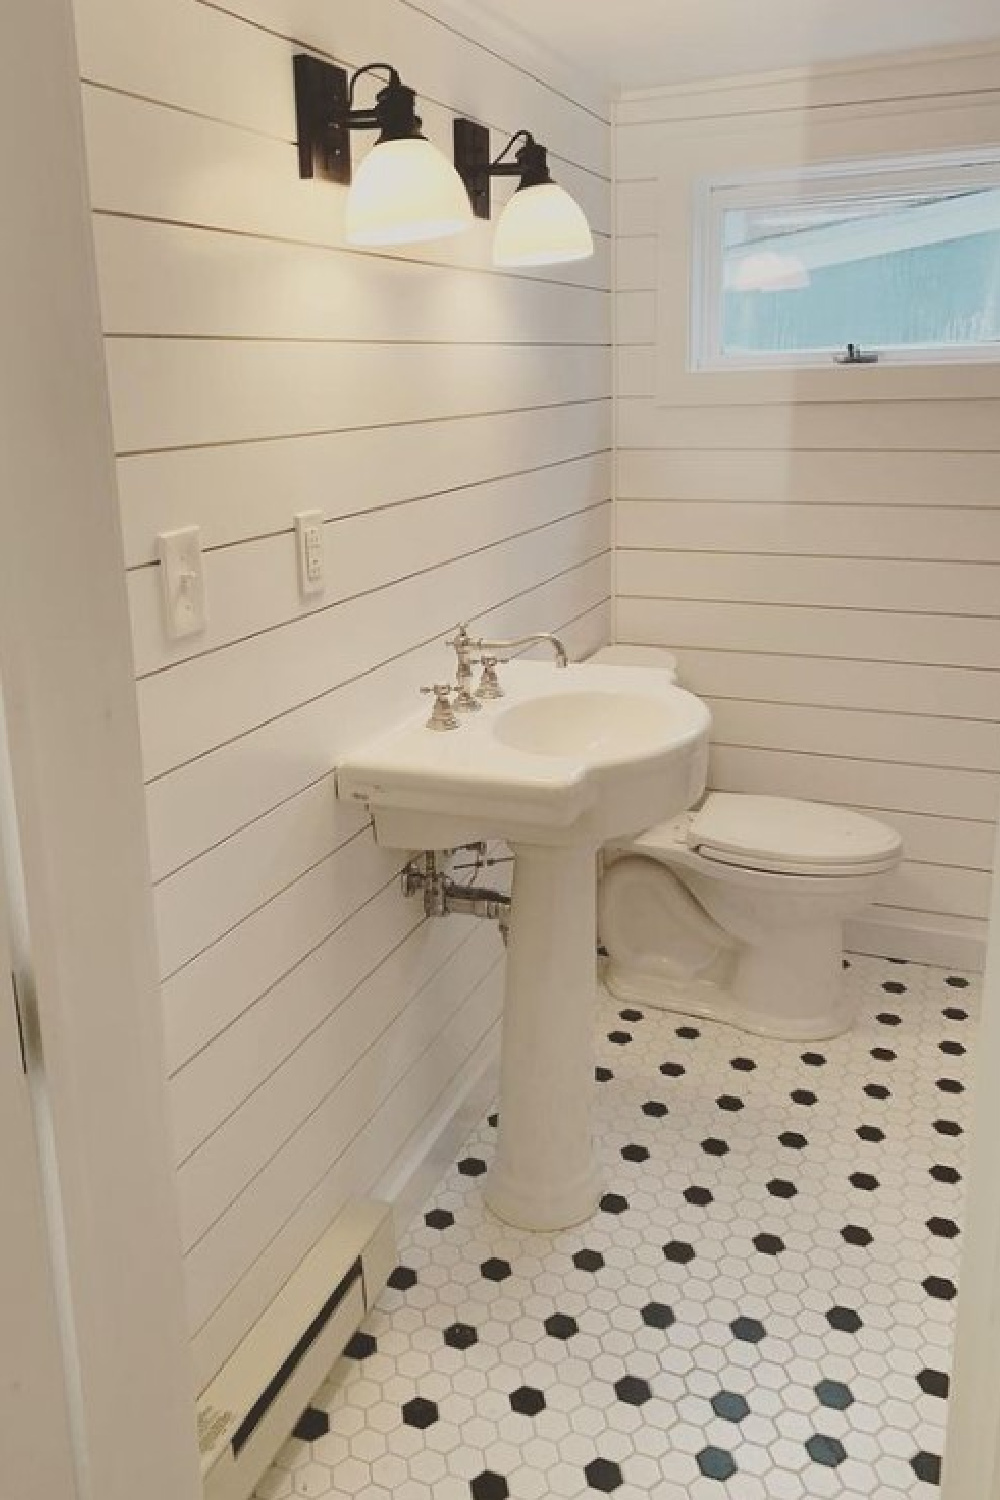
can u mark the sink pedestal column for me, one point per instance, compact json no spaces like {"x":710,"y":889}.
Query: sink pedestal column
{"x":545,"y":1176}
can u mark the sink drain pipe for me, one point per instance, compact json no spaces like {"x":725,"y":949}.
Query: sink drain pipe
{"x":444,"y":896}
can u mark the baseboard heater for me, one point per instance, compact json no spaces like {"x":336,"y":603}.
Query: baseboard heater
{"x":250,"y":1408}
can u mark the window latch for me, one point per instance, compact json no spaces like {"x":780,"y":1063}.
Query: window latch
{"x":855,"y":355}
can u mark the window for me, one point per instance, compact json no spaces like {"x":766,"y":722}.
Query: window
{"x":899,"y":258}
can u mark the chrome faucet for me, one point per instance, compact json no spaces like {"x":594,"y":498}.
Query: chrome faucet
{"x":472,"y":652}
{"x":562,"y":658}
{"x":465,"y":649}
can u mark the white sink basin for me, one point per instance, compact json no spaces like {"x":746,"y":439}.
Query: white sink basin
{"x":568,"y":759}
{"x":601,"y":726}
{"x":569,"y":755}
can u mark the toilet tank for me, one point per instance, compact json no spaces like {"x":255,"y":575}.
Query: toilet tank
{"x":637,"y":656}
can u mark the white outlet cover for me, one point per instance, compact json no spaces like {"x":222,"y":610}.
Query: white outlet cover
{"x":183,"y":580}
{"x":310,"y":547}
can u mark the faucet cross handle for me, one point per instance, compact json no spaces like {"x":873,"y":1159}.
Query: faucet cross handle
{"x":489,"y":683}
{"x":443,"y":714}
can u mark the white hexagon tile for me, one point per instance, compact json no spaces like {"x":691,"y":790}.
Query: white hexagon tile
{"x":762,"y":1309}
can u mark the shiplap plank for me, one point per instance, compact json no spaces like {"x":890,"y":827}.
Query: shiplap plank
{"x":198,"y":704}
{"x":210,"y":895}
{"x":255,"y":587}
{"x":961,"y":843}
{"x":828,"y":477}
{"x":172,"y":280}
{"x":960,"y":427}
{"x":881,"y":583}
{"x":394,"y":1133}
{"x":439,"y":1017}
{"x":344,"y":911}
{"x":444,"y":66}
{"x":931,"y":640}
{"x":932,"y":73}
{"x":933,"y":888}
{"x":384,"y":939}
{"x":169,"y":393}
{"x":201,"y":60}
{"x":642,"y":152}
{"x":873,"y":786}
{"x":195,"y":58}
{"x":635,"y":317}
{"x":205,"y":801}
{"x":635,"y":263}
{"x":239,"y":1136}
{"x":637,"y":208}
{"x":900,"y":739}
{"x":243,"y":490}
{"x":959,"y":692}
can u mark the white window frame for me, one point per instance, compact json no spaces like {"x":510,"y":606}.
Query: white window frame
{"x":882,"y":179}
{"x":794,"y":149}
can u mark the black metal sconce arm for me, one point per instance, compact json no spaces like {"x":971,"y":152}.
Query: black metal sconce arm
{"x":325,"y":114}
{"x":473,"y":164}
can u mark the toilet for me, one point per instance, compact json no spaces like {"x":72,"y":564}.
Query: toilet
{"x":734,"y":910}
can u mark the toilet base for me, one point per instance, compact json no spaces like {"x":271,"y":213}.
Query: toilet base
{"x":793,"y":989}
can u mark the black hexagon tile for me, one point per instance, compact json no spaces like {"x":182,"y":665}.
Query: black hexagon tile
{"x":312,"y":1425}
{"x":527,"y":1401}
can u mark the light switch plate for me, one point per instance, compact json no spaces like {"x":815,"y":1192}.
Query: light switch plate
{"x":310,"y":544}
{"x":183,"y":580}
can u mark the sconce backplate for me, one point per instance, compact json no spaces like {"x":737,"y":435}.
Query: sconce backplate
{"x":472,"y":163}
{"x":321,"y":108}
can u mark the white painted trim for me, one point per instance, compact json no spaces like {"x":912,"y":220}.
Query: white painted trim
{"x":972,"y":1449}
{"x":36,"y":1438}
{"x":929,"y":940}
{"x":71,"y":718}
{"x":886,"y":62}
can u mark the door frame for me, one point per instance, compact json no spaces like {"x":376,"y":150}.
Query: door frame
{"x":69,"y":694}
{"x":35,"y":1436}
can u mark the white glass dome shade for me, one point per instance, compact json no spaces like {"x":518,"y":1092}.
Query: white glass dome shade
{"x":405,"y":190}
{"x":541,"y":226}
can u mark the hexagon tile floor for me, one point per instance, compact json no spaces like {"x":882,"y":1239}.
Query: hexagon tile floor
{"x":761,"y":1310}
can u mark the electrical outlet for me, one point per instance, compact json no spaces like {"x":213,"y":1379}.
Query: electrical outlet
{"x":310,"y":544}
{"x":183,"y":580}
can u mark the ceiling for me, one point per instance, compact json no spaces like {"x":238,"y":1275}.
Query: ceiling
{"x":630,"y":44}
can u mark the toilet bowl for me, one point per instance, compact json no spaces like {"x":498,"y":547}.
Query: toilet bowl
{"x":735,"y":910}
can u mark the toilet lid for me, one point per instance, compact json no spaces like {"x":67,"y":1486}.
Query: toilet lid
{"x":790,"y":837}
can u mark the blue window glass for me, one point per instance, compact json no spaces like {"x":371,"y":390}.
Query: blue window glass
{"x":904,"y":272}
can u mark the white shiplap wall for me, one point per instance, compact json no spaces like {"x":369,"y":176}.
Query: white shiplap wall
{"x":454,"y":425}
{"x":829,"y":575}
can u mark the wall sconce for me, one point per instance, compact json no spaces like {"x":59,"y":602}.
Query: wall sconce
{"x":541,"y":224}
{"x":405,"y":190}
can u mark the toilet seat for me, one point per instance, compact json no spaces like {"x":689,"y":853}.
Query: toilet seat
{"x":778,"y":836}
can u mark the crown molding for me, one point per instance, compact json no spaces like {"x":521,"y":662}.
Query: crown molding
{"x":478,"y":23}
{"x":846,"y":67}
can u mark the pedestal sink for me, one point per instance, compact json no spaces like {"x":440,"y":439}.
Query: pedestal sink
{"x":566,"y":760}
